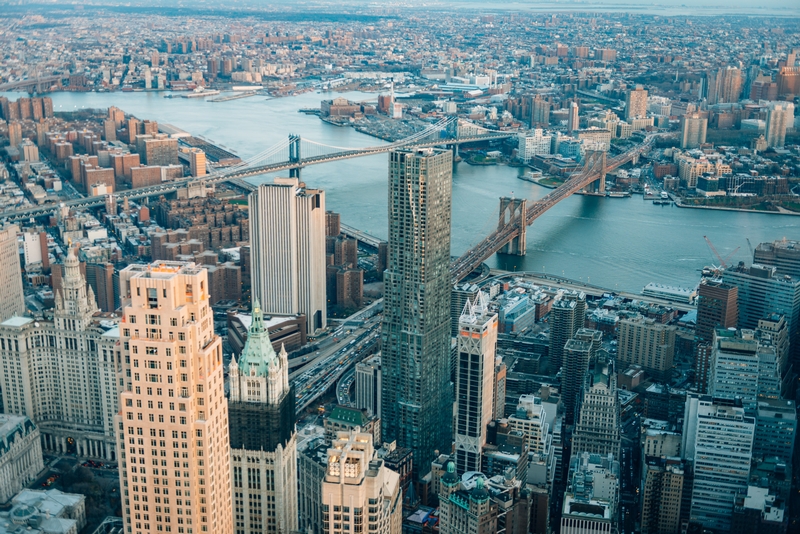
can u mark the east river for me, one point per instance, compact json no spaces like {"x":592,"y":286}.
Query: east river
{"x":616,"y":243}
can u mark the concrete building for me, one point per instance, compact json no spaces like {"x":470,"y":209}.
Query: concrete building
{"x":540,"y":112}
{"x":532,"y":420}
{"x":762,"y":291}
{"x":368,"y":385}
{"x":743,"y":369}
{"x":780,"y":117}
{"x":759,"y":511}
{"x":14,"y":133}
{"x":567,"y":315}
{"x":718,"y":438}
{"x":776,"y":429}
{"x":592,"y":495}
{"x":465,"y":510}
{"x":636,"y":103}
{"x":287,"y":236}
{"x":263,"y":439}
{"x":577,"y":357}
{"x":693,"y":130}
{"x":662,"y":489}
{"x":197,"y":162}
{"x":12,"y":298}
{"x":44,"y":512}
{"x":783,"y":255}
{"x":724,"y":85}
{"x":573,"y":120}
{"x":647,"y":343}
{"x":717,"y":307}
{"x":173,"y":397}
{"x":311,"y":467}
{"x":20,"y":454}
{"x":474,"y":391}
{"x":417,"y":398}
{"x":535,"y":143}
{"x":597,"y":429}
{"x":359,"y":493}
{"x":75,"y":407}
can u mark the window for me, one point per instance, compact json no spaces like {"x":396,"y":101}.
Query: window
{"x":152,"y":297}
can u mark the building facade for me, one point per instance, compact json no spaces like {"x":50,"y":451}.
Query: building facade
{"x":474,"y":391}
{"x":359,"y":493}
{"x":263,"y":439}
{"x":20,"y":454}
{"x":661,"y":496}
{"x":718,"y":438}
{"x":12,"y":299}
{"x":780,"y":117}
{"x":287,"y":236}
{"x":717,"y":307}
{"x":647,"y":343}
{"x":75,"y":407}
{"x":597,"y":429}
{"x":173,"y":442}
{"x":417,"y":398}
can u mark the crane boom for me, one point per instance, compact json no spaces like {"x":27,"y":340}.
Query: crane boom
{"x":714,"y":250}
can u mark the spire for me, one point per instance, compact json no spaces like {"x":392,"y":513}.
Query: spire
{"x":258,"y":354}
{"x":257,"y":326}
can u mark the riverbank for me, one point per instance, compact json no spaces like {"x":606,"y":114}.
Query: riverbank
{"x":780,"y":210}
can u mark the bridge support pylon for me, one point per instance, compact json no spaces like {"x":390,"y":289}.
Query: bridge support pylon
{"x":294,"y":155}
{"x":596,"y":160}
{"x":512,"y":211}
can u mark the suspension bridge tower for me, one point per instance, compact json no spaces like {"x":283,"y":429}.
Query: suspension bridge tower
{"x":512,"y":211}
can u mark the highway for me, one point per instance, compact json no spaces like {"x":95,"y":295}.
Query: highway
{"x":323,"y":372}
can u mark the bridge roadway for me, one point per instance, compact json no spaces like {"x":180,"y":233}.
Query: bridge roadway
{"x":236,"y":177}
{"x":476,"y":255}
{"x":32,"y":82}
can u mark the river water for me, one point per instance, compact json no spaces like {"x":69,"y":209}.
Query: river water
{"x":621,"y":244}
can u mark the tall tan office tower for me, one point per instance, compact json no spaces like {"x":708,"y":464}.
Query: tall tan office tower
{"x":173,"y":421}
{"x":287,"y":236}
{"x":636,"y":103}
{"x":12,"y":298}
{"x":780,"y":117}
{"x":263,"y":437}
{"x":693,"y":130}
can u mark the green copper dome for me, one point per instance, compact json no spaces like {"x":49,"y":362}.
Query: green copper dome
{"x":258,"y":353}
{"x":450,"y":478}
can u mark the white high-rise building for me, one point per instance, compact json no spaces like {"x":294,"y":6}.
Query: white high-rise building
{"x":173,"y":446}
{"x":535,"y":143}
{"x":12,"y":299}
{"x":263,"y":436}
{"x":368,"y":385}
{"x":718,"y":438}
{"x":287,"y":236}
{"x":474,"y":389}
{"x":780,"y":117}
{"x":75,"y":406}
{"x":573,"y":119}
{"x":359,"y":493}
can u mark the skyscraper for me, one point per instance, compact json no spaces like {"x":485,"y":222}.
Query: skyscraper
{"x":417,"y":399}
{"x":716,"y":307}
{"x":776,"y":429}
{"x":474,"y":391}
{"x":718,"y":438}
{"x":762,"y":291}
{"x":724,"y":85}
{"x":661,"y":496}
{"x":647,"y":343}
{"x":75,"y":409}
{"x":358,"y":490}
{"x":780,"y":117}
{"x":287,"y":235}
{"x":567,"y":316}
{"x":172,"y":425}
{"x":368,"y":385}
{"x":540,"y":112}
{"x":783,"y":255}
{"x":597,"y":429}
{"x":12,"y":298}
{"x":577,"y":356}
{"x":262,"y":436}
{"x":693,"y":130}
{"x":574,"y":121}
{"x":636,"y":103}
{"x":14,"y":133}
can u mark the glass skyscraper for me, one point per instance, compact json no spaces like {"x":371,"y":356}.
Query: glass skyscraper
{"x":417,"y":399}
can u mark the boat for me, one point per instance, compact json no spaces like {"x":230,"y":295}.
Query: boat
{"x":624,"y":194}
{"x":664,"y":195}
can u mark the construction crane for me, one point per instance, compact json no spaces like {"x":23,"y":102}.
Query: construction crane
{"x":750,"y":246}
{"x":723,"y":262}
